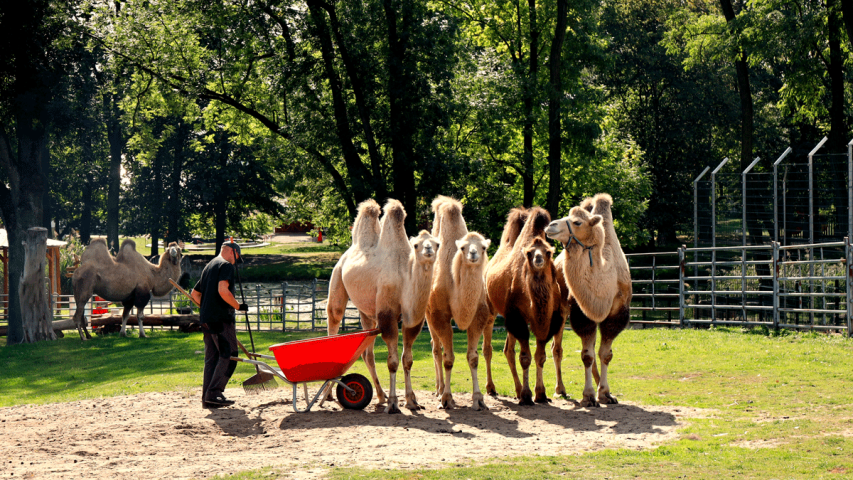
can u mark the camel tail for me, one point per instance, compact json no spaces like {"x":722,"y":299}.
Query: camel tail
{"x":515,"y":221}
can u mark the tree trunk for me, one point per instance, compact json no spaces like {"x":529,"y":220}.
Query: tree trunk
{"x":529,"y":92}
{"x":402,"y":117}
{"x":837,"y":124}
{"x":359,"y":175}
{"x":36,"y":311}
{"x":174,"y":207}
{"x":156,"y":204}
{"x":554,"y":108}
{"x":114,"y":178}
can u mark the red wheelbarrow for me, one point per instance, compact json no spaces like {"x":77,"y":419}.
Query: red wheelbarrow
{"x":323,"y":359}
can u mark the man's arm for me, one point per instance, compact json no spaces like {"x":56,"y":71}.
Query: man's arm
{"x":196,"y":296}
{"x":226,"y":295}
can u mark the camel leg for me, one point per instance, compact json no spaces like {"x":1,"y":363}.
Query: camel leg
{"x":474,"y":334}
{"x":125,"y":314}
{"x":487,"y":352}
{"x":517,"y":327}
{"x":142,"y":298}
{"x":435,"y":343}
{"x":509,"y":353}
{"x":369,"y":323}
{"x":540,"y":357}
{"x":525,"y":359}
{"x":586,"y":329}
{"x":557,"y":353}
{"x":610,"y":328}
{"x":387,"y":318}
{"x":442,"y":330}
{"x":82,"y":294}
{"x":409,"y":336}
{"x":337,"y":304}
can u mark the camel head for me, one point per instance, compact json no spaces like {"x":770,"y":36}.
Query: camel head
{"x":425,"y":246}
{"x":473,"y":247}
{"x":538,"y":254}
{"x":581,"y":226}
{"x":172,"y":254}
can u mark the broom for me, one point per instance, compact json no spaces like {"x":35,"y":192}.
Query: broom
{"x":259,"y":381}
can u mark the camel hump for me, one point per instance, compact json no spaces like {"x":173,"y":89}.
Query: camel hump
{"x":97,"y":250}
{"x":538,"y":219}
{"x":515,"y":221}
{"x":369,"y":208}
{"x":448,"y":205}
{"x":365,"y":229}
{"x":394,"y":212}
{"x":600,"y":204}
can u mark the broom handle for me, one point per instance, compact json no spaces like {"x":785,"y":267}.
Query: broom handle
{"x":187,"y":294}
{"x":243,"y":297}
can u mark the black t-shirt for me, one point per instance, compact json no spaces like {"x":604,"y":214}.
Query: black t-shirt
{"x":214,"y":311}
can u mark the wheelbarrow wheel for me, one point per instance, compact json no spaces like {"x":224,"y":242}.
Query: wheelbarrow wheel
{"x":362,"y":395}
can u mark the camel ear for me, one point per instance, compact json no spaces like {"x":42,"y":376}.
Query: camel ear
{"x":459,"y":243}
{"x":487,"y":243}
{"x":595,"y":220}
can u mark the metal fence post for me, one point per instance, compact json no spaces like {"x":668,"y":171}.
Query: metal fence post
{"x":743,"y":198}
{"x":283,"y":306}
{"x":775,"y":274}
{"x":313,"y":303}
{"x":696,"y":206}
{"x":681,"y":267}
{"x":848,"y":267}
{"x":776,"y":192}
{"x":258,"y":306}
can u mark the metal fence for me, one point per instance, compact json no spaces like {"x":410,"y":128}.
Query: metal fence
{"x":286,"y":307}
{"x":776,"y":286}
{"x":807,"y":199}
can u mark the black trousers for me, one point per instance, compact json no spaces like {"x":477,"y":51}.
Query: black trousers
{"x":218,"y":366}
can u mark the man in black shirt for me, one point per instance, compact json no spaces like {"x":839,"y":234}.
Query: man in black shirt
{"x":215,"y":293}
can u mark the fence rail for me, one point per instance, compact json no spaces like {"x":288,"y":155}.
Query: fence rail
{"x":794,"y":287}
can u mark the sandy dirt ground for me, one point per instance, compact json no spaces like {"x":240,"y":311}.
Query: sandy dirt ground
{"x":169,"y":435}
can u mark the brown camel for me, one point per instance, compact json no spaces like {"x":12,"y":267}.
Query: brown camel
{"x":127,"y":278}
{"x":459,"y":292}
{"x":522,"y":286}
{"x":388,"y":278}
{"x":596,"y":272}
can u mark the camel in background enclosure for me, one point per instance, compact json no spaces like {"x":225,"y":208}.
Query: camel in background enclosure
{"x":127,"y":278}
{"x":597,"y":274}
{"x":522,"y":286}
{"x":459,"y":292}
{"x":388,"y":278}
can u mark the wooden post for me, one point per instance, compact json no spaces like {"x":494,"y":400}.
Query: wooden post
{"x":36,"y":313}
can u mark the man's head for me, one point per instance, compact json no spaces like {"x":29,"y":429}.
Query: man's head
{"x":231,"y":252}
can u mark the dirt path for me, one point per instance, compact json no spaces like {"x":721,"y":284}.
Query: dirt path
{"x":169,"y":435}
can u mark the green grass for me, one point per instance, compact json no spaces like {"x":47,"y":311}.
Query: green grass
{"x":791,"y":393}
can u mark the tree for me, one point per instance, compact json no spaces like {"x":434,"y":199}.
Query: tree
{"x":30,"y":69}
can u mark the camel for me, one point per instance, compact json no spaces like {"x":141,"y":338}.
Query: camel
{"x":459,"y":292}
{"x":522,"y":286}
{"x":388,"y":278}
{"x":596,"y":272}
{"x":127,"y":278}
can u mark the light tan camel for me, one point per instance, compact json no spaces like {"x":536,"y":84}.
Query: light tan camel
{"x":459,"y":292}
{"x":522,"y":286}
{"x":127,"y":278}
{"x":596,"y":272}
{"x":388,"y":278}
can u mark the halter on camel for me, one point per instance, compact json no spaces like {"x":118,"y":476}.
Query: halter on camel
{"x":573,"y":237}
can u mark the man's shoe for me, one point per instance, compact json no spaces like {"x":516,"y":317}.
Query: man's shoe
{"x":219,"y":401}
{"x":208,"y":405}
